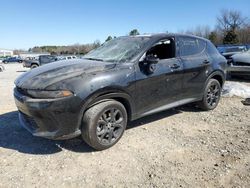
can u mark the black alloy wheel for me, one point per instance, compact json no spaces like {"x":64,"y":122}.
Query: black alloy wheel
{"x":211,"y":96}
{"x":103,"y":124}
{"x":110,"y":126}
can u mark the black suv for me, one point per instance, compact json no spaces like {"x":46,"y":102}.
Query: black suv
{"x":123,"y":80}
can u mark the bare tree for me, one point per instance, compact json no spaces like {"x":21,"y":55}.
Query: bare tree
{"x":200,"y":30}
{"x":230,"y":23}
{"x":244,"y":35}
{"x":230,"y":20}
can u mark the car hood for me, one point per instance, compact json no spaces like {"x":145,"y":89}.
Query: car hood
{"x":242,"y":57}
{"x":47,"y":75}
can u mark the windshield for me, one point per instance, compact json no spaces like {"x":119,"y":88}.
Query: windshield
{"x":121,"y":49}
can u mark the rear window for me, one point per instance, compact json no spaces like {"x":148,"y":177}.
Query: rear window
{"x":191,"y":46}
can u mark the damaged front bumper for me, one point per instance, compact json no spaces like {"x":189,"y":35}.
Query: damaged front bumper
{"x":49,"y":118}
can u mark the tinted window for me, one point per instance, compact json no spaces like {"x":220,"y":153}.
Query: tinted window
{"x":202,"y":45}
{"x":191,"y":46}
{"x":211,"y":49}
{"x":47,"y":59}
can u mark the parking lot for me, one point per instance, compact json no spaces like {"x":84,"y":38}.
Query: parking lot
{"x":182,"y":147}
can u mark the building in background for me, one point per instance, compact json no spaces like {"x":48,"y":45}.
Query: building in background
{"x":5,"y":53}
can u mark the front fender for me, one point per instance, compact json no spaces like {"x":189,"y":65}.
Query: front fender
{"x":93,"y":88}
{"x":108,"y":94}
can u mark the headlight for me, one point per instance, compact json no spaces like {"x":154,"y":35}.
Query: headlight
{"x":49,"y":94}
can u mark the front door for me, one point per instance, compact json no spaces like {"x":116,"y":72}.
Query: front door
{"x":162,"y":87}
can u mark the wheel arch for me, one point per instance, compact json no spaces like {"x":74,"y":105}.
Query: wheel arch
{"x":218,"y":75}
{"x":34,"y":64}
{"x":121,"y":96}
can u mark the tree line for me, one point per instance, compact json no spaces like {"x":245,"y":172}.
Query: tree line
{"x":231,"y":28}
{"x":76,"y":49}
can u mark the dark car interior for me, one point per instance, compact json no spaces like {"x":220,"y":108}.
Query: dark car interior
{"x":164,"y":49}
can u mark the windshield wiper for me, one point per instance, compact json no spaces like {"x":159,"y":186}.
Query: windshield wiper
{"x":95,"y":59}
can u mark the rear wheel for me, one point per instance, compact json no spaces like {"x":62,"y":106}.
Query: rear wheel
{"x":211,"y":95}
{"x":34,"y":66}
{"x":104,"y":124}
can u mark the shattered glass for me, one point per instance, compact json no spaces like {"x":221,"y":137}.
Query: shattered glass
{"x":118,"y":50}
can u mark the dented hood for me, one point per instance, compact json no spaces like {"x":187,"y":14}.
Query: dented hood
{"x":47,"y":75}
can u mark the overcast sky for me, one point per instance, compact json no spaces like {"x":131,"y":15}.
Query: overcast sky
{"x":29,"y":23}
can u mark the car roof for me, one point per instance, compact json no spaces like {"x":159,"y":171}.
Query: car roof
{"x":163,"y":35}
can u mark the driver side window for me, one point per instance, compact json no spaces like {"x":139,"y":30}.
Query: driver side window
{"x":165,"y":49}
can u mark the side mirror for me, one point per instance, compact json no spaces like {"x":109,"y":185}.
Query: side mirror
{"x":151,"y":62}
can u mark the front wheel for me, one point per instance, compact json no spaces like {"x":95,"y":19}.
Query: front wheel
{"x":104,"y":124}
{"x":211,"y":95}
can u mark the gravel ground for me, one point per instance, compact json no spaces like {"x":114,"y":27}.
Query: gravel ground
{"x":182,"y":147}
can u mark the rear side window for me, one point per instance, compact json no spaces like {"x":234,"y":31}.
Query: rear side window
{"x":191,"y":46}
{"x":202,"y":45}
{"x":211,"y":49}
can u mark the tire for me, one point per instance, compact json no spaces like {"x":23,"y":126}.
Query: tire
{"x":99,"y":129}
{"x":34,"y":66}
{"x":211,"y":96}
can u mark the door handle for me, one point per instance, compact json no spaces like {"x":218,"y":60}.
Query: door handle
{"x":206,"y":62}
{"x":175,"y":66}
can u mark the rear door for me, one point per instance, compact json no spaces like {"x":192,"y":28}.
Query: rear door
{"x":195,"y":66}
